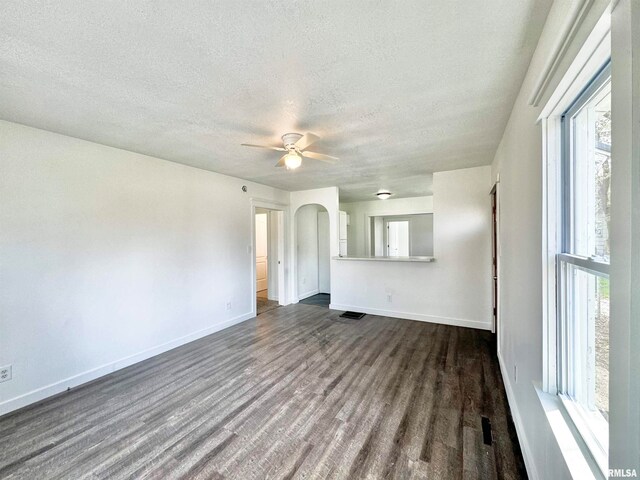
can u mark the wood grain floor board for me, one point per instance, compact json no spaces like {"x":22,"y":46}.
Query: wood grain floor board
{"x":297,"y":392}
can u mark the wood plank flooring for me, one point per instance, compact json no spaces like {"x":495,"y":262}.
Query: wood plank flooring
{"x":263,"y":304}
{"x":295,"y":393}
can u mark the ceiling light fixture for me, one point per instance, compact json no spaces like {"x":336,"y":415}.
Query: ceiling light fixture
{"x":292,"y":160}
{"x":383,"y":194}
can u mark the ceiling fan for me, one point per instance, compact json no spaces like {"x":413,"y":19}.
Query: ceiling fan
{"x":296,"y":144}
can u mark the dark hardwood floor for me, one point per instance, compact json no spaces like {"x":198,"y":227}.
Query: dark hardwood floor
{"x":295,"y":393}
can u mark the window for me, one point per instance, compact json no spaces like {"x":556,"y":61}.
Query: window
{"x":583,"y":264}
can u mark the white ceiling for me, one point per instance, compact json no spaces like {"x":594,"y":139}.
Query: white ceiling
{"x":397,"y":90}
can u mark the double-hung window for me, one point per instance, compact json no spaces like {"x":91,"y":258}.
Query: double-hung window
{"x":583,"y":264}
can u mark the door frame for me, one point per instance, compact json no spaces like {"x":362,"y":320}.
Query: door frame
{"x":283,"y":215}
{"x":495,"y":260}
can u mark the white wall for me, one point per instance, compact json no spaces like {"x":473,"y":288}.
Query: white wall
{"x":624,"y":346}
{"x":324,"y":253}
{"x":518,"y":162}
{"x":307,"y":250}
{"x":421,"y":230}
{"x":359,"y":213}
{"x":377,"y":231}
{"x":456,"y":288}
{"x":108,"y":257}
{"x":272,"y":225}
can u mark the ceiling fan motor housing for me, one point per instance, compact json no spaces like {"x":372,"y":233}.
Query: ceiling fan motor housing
{"x":289,"y":140}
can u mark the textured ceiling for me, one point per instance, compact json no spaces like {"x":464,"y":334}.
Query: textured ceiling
{"x":397,"y":90}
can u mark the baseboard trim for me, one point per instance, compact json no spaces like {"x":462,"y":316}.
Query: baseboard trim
{"x":457,"y":322}
{"x":47,"y":391}
{"x":532,"y":472}
{"x":308,"y":294}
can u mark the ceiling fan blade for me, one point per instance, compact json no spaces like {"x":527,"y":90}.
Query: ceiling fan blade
{"x":281,"y":162}
{"x":279,"y":149}
{"x":320,"y":156}
{"x":306,"y":140}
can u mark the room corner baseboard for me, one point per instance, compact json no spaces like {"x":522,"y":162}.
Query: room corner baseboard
{"x":457,"y":322}
{"x":308,"y":294}
{"x":532,"y":472}
{"x":47,"y":391}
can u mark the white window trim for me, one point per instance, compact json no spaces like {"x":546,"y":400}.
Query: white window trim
{"x":595,"y":52}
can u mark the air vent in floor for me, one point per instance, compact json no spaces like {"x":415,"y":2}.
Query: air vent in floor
{"x":486,"y":431}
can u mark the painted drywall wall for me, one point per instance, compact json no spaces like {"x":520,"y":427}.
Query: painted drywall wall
{"x":307,"y":250}
{"x":377,"y":231}
{"x":624,"y":335}
{"x":328,"y":198}
{"x":359,"y":213}
{"x":518,"y":162}
{"x":456,"y":288}
{"x":108,"y":257}
{"x":421,"y":231}
{"x":324,"y":254}
{"x":272,"y":226}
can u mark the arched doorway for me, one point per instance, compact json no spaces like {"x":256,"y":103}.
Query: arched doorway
{"x":312,"y":255}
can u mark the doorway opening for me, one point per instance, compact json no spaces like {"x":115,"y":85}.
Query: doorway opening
{"x":313,"y":255}
{"x":269,"y":254}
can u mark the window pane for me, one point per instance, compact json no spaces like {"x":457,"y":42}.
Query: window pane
{"x":602,"y":346}
{"x":591,"y":176}
{"x":588,"y":340}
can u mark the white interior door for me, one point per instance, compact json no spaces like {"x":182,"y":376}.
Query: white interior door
{"x":262,"y":255}
{"x":398,"y":238}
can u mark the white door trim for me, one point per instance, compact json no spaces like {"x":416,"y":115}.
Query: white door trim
{"x":283,"y":215}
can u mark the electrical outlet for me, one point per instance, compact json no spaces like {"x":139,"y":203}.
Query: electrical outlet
{"x":389,"y":298}
{"x":5,"y":373}
{"x":304,"y":280}
{"x":228,"y":305}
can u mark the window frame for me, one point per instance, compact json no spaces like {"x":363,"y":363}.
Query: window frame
{"x":589,"y":60}
{"x":592,"y":428}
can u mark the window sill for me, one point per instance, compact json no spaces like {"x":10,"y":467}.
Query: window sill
{"x":573,"y":448}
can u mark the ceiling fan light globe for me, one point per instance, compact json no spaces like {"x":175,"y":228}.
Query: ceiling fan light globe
{"x":292,"y":161}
